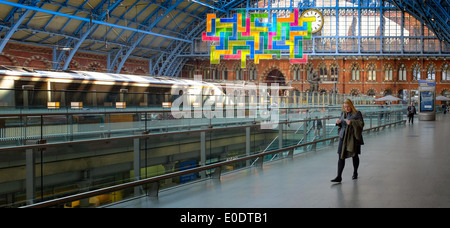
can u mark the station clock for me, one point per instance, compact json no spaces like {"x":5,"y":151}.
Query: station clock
{"x":315,"y":25}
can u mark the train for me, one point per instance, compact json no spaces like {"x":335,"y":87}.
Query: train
{"x":42,"y":91}
{"x":22,"y":87}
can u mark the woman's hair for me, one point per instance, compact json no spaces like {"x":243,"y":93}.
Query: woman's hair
{"x":350,"y":104}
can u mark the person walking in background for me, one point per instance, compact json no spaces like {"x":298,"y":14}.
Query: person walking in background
{"x":317,"y":125}
{"x":350,"y":128}
{"x":411,"y":112}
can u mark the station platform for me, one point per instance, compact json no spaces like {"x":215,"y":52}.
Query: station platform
{"x":404,"y":166}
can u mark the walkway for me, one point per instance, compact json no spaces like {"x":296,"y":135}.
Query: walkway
{"x":400,"y":167}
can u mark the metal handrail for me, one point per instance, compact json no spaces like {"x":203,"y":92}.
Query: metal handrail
{"x":111,"y":110}
{"x":137,"y":183}
{"x":144,"y":135}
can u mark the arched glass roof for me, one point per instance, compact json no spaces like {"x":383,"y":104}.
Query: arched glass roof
{"x":168,"y":32}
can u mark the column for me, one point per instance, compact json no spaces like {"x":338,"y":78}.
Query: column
{"x":137,"y":163}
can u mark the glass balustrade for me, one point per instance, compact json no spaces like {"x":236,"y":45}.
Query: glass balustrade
{"x":88,"y":148}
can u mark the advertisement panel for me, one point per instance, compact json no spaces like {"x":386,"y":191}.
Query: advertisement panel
{"x":426,"y":101}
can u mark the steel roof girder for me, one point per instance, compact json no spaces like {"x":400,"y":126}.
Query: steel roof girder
{"x":68,"y":21}
{"x":85,"y":35}
{"x":443,"y":16}
{"x":146,"y":21}
{"x":13,"y":30}
{"x":438,"y":6}
{"x":53,"y":16}
{"x":94,"y":21}
{"x":194,"y":20}
{"x":172,"y":71}
{"x":414,"y":8}
{"x":161,"y":57}
{"x":426,"y":14}
{"x":14,"y":27}
{"x":192,"y":33}
{"x":180,"y":66}
{"x":121,"y":52}
{"x":139,"y":40}
{"x":179,"y":47}
{"x":209,"y":6}
{"x":123,"y":16}
{"x":73,"y":44}
{"x":165,"y":28}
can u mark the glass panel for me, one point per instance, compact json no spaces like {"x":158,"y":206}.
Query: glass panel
{"x":329,"y":25}
{"x":392,"y":44}
{"x":348,"y":44}
{"x":370,"y":22}
{"x":13,"y":174}
{"x":83,"y":166}
{"x":370,"y":45}
{"x":392,"y":20}
{"x":431,"y":45}
{"x":413,"y":45}
{"x":412,"y":25}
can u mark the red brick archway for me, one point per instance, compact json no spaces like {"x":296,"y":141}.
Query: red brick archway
{"x":275,"y":76}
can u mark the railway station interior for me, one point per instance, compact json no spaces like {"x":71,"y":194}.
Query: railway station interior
{"x":223,"y":104}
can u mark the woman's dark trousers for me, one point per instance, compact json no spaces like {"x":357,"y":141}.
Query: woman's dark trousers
{"x":341,"y":162}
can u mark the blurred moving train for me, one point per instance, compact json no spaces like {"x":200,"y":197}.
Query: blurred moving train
{"x":23,"y":87}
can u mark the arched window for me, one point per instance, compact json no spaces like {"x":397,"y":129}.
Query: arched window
{"x":355,"y":73}
{"x":191,"y":72}
{"x":323,"y":72}
{"x":334,"y":73}
{"x":371,"y":92}
{"x":416,"y":72}
{"x":296,"y":73}
{"x":206,"y":73}
{"x":431,"y":72}
{"x":388,"y":73}
{"x":214,"y":73}
{"x":402,"y":73}
{"x":239,"y":73}
{"x":372,"y":73}
{"x":224,"y":73}
{"x":387,"y":92}
{"x":299,"y":75}
{"x":252,"y":73}
{"x":446,"y":73}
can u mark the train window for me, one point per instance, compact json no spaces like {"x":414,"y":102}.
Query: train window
{"x":53,"y":105}
{"x":121,"y":105}
{"x":28,"y":87}
{"x":76,"y":105}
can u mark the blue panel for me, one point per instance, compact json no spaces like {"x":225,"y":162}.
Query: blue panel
{"x":300,"y":28}
{"x":229,"y":20}
{"x":279,"y":45}
{"x":252,"y":48}
{"x":213,"y":29}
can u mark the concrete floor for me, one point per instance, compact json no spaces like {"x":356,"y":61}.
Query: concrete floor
{"x":404,"y":166}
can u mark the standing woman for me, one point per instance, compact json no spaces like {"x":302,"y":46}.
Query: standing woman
{"x":350,"y":128}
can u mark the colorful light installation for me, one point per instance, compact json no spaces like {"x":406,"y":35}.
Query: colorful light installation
{"x":242,"y":36}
